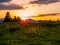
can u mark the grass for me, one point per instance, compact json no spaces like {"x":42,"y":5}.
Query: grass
{"x":30,"y":34}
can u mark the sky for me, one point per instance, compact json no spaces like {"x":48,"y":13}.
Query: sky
{"x":35,"y":9}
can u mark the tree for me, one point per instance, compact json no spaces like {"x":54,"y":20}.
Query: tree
{"x":7,"y":17}
{"x":18,"y":19}
{"x":15,"y":19}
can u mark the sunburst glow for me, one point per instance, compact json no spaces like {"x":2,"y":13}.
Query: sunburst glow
{"x":24,"y":14}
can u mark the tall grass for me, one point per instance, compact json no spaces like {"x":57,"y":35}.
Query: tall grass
{"x":30,"y":34}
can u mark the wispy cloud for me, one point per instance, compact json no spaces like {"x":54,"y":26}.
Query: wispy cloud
{"x":6,"y":5}
{"x":2,"y":1}
{"x":21,"y":2}
{"x":42,"y":15}
{"x":44,"y":1}
{"x":10,"y":7}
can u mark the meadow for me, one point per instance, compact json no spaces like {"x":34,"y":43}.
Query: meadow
{"x":14,"y":33}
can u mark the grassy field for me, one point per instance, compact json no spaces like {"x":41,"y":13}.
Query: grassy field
{"x":30,"y":34}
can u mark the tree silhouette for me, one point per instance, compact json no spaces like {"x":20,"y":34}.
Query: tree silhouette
{"x":18,"y":19}
{"x":15,"y":19}
{"x":7,"y":17}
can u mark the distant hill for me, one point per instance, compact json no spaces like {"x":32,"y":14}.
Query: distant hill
{"x":32,"y":21}
{"x":1,"y":19}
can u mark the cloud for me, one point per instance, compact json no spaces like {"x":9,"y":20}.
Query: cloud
{"x":9,"y":7}
{"x":21,"y":2}
{"x":13,"y":4}
{"x":42,"y":15}
{"x":44,"y":1}
{"x":6,"y":5}
{"x":2,"y":1}
{"x":51,"y":14}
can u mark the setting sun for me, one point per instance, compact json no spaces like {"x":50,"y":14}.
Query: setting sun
{"x":27,"y":12}
{"x":24,"y":13}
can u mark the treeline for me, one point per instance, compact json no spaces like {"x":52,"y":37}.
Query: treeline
{"x":8,"y":18}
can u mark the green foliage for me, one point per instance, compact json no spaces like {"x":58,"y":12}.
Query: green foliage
{"x":30,"y":34}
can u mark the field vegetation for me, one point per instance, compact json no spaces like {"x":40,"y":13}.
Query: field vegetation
{"x":30,"y":34}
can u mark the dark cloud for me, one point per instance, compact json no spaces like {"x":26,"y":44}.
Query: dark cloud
{"x":44,"y":1}
{"x":2,"y":1}
{"x":42,"y":15}
{"x":52,"y":14}
{"x":9,"y":7}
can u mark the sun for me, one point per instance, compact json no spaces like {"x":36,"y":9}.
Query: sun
{"x":27,"y":12}
{"x":24,"y":14}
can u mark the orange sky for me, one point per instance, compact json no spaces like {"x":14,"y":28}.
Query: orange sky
{"x":35,"y":10}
